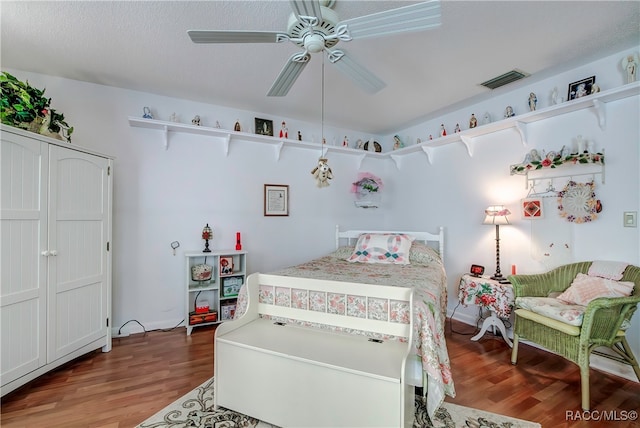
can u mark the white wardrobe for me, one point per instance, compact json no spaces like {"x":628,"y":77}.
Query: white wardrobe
{"x":55,"y":255}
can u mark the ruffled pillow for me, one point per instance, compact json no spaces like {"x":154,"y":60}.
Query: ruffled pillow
{"x":390,"y":248}
{"x":585,"y":288}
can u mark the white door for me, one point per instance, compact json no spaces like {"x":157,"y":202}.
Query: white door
{"x":78,"y":265}
{"x":23,"y":235}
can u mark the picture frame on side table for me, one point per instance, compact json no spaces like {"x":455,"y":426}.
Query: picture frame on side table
{"x":581,"y":88}
{"x":276,"y":200}
{"x":264,"y":127}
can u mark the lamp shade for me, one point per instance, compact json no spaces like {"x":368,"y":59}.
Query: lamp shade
{"x":496,"y":214}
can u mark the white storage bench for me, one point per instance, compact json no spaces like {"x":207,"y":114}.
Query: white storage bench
{"x":292,"y":375}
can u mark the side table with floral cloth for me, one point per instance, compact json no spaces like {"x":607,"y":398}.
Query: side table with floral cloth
{"x":490,"y":294}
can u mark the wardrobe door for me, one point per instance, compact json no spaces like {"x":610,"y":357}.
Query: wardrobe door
{"x":78,"y":264}
{"x":23,"y":234}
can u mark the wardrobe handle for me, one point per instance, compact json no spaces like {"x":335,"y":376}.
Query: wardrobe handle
{"x":54,"y":252}
{"x":46,"y":253}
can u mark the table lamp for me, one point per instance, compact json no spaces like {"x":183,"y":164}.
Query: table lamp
{"x":207,"y":234}
{"x":497,"y":214}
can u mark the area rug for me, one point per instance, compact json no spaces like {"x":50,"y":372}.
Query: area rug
{"x":195,"y":410}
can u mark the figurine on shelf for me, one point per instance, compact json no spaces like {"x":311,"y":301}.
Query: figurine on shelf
{"x":581,"y":143}
{"x":443,"y":132}
{"x":457,"y":128}
{"x":533,"y":101}
{"x":174,"y":117}
{"x":473,"y":122}
{"x":486,"y":119}
{"x":509,"y":112}
{"x":595,"y":89}
{"x":430,"y":137}
{"x":360,"y":144}
{"x":284,"y":131}
{"x":196,"y":120}
{"x":630,"y":66}
{"x":397,"y":143}
{"x":218,"y":124}
{"x":299,"y":136}
{"x":146,"y":113}
{"x":237,"y":126}
{"x":555,"y":98}
{"x":345,"y":142}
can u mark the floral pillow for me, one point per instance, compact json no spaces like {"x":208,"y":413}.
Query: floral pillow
{"x":387,"y":248}
{"x":585,"y":288}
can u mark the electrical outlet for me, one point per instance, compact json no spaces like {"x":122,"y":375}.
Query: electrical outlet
{"x":630,"y":218}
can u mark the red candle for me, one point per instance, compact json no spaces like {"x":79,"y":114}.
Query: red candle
{"x":513,"y":269}
{"x":238,"y":244}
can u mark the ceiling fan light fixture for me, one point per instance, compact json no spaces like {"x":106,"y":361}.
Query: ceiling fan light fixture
{"x":504,"y":79}
{"x":314,"y":43}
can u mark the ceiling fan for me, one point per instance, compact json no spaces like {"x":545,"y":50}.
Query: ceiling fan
{"x":315,"y":27}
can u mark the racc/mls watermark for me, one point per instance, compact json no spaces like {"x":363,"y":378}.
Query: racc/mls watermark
{"x":601,"y":415}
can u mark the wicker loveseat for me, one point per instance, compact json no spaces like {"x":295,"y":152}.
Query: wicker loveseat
{"x":603,"y":322}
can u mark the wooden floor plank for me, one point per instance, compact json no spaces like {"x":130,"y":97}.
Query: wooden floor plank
{"x":144,"y":373}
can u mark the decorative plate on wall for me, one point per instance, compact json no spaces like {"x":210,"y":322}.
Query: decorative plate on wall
{"x":577,"y":202}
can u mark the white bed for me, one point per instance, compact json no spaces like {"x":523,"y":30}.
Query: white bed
{"x":424,"y":272}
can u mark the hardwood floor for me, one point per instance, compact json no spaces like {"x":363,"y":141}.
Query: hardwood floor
{"x":144,"y":373}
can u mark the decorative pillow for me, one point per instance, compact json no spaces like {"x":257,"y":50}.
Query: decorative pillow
{"x":607,"y":269}
{"x":585,"y":288}
{"x":382,"y":248}
{"x":423,"y":254}
{"x":553,"y":308}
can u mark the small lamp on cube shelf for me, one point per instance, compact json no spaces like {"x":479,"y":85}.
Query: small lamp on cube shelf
{"x":497,"y":214}
{"x":207,"y":234}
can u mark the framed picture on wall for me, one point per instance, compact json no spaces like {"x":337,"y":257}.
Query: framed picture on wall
{"x":276,"y":200}
{"x":264,"y":127}
{"x":532,"y":208}
{"x":581,"y":88}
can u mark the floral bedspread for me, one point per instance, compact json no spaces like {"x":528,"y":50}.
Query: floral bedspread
{"x":425,"y":274}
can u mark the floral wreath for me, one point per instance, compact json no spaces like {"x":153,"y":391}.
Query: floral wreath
{"x":577,"y":202}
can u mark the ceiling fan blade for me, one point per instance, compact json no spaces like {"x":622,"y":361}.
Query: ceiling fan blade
{"x":304,"y":9}
{"x":289,"y":74}
{"x":415,"y":17}
{"x":356,"y":71}
{"x":204,"y":36}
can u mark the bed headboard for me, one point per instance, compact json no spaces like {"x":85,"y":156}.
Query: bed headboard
{"x":428,"y":238}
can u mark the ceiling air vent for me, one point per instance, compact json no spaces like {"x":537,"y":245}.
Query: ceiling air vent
{"x":508,"y":77}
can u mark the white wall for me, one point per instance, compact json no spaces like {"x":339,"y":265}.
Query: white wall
{"x":164,"y":196}
{"x":457,"y":188}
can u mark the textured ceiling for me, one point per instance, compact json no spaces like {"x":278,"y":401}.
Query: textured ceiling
{"x":143,"y":45}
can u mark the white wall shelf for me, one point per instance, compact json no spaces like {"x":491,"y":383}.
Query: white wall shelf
{"x":597,"y":102}
{"x":227,"y":136}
